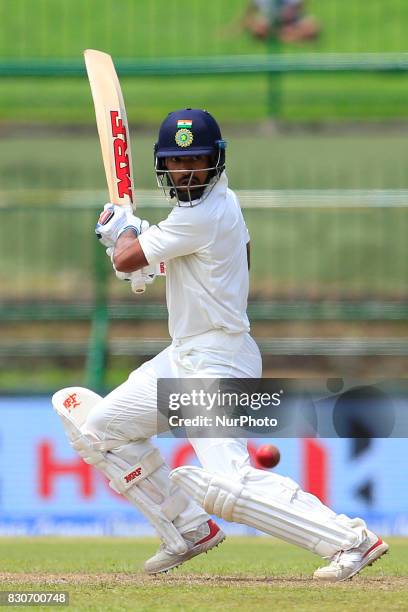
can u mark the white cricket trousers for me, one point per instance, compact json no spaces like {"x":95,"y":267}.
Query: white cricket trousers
{"x":129,"y":413}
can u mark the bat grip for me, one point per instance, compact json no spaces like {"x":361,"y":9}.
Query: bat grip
{"x":137,"y":282}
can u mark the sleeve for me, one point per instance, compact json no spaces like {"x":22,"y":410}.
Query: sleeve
{"x":182,"y":233}
{"x":246,"y":235}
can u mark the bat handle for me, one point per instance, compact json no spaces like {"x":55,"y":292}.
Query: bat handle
{"x":137,"y":283}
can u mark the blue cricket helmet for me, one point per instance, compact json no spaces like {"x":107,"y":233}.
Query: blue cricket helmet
{"x":189,"y":132}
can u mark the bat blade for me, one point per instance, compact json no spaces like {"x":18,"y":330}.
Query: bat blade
{"x":113,"y":128}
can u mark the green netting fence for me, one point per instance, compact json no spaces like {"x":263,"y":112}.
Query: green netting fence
{"x":327,"y":211}
{"x":344,"y":247}
{"x":338,"y":256}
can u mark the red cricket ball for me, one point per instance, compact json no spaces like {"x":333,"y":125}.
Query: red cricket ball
{"x":268,"y":455}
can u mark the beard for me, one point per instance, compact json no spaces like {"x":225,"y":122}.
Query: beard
{"x":191,"y":193}
{"x":189,"y":188}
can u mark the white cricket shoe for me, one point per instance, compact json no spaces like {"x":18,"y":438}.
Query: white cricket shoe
{"x":345,"y":564}
{"x":201,"y":540}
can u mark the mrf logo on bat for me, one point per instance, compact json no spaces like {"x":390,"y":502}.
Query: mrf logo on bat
{"x":120,"y":145}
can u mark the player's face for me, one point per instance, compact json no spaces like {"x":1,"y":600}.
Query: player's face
{"x":188,"y":172}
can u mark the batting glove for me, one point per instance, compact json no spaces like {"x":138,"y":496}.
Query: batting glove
{"x":146,"y":275}
{"x":112,"y":221}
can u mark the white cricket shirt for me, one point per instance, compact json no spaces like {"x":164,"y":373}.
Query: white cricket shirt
{"x":204,"y":247}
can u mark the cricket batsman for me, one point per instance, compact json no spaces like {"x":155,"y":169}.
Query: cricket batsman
{"x":205,"y":245}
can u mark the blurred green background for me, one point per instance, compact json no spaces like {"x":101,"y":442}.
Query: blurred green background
{"x":60,"y":29}
{"x":318,"y":158}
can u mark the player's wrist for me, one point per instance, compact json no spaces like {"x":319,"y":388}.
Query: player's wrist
{"x":135,"y":225}
{"x":131,"y":229}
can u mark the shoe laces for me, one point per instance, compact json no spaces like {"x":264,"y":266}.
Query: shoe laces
{"x":344,"y":558}
{"x":336,"y":557}
{"x":351,"y":554}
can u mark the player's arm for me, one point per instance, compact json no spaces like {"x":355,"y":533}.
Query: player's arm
{"x":183,"y":232}
{"x":128,"y":255}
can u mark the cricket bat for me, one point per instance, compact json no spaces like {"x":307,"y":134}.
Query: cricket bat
{"x":113,"y":127}
{"x":113,"y":130}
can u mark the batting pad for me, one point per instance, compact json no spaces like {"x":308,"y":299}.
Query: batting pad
{"x":273,"y":504}
{"x":142,"y":484}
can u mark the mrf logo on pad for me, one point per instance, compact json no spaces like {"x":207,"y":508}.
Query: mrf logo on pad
{"x":133,"y":475}
{"x":71,"y":401}
{"x":122,"y":166}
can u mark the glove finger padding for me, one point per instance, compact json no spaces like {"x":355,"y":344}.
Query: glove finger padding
{"x":110,"y":221}
{"x":113,"y":221}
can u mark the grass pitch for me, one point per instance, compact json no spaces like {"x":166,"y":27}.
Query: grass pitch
{"x":242,"y":574}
